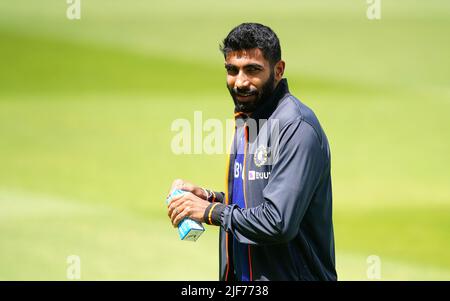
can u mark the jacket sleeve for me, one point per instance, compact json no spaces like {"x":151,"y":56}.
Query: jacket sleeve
{"x":214,"y":196}
{"x":218,"y":197}
{"x":292,"y":183}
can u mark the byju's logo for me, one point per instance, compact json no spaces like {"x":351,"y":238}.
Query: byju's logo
{"x":258,"y":175}
{"x":238,"y":170}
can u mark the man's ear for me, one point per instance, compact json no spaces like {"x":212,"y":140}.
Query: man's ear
{"x":279,"y":70}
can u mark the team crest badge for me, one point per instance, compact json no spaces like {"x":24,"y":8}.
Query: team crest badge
{"x":261,"y":155}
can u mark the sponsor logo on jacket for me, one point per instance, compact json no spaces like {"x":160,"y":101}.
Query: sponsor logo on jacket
{"x":258,"y":175}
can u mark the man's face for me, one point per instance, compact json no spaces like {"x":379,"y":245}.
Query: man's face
{"x":250,"y":78}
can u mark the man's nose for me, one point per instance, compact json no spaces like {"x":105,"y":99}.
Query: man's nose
{"x":242,"y":81}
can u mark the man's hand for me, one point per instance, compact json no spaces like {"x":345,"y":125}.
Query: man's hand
{"x":186,"y":186}
{"x":187,"y":205}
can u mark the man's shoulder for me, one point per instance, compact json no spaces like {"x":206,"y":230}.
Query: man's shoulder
{"x":290,"y":109}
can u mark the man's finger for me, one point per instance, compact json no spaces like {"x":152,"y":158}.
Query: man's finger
{"x":176,"y":211}
{"x":179,"y":217}
{"x":171,"y":207}
{"x":170,"y":211}
{"x":187,"y":187}
{"x":176,"y":184}
{"x":179,"y":199}
{"x":174,"y":214}
{"x":179,"y":207}
{"x":177,"y":202}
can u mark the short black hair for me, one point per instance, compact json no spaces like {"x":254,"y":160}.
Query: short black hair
{"x":253,"y":35}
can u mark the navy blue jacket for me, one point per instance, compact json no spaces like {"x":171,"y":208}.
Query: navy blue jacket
{"x":287,"y":223}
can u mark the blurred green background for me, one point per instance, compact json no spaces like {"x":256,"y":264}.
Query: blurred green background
{"x":86,"y":108}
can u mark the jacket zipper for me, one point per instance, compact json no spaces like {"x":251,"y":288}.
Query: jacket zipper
{"x":245,"y":197}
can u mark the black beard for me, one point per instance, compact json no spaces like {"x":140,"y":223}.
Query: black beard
{"x":261,"y":96}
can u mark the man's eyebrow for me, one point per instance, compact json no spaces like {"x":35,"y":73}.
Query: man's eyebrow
{"x":253,"y":65}
{"x":230,"y":66}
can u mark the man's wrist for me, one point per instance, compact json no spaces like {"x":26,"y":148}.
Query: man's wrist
{"x":205,"y":193}
{"x":213,"y":213}
{"x":211,"y":196}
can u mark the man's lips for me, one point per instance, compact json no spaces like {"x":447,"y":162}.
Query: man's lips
{"x":245,"y":96}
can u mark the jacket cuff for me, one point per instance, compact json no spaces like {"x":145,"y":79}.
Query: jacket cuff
{"x":219,"y":197}
{"x":214,"y":196}
{"x":213,"y":213}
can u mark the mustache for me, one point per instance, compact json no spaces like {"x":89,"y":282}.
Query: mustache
{"x":244,"y":92}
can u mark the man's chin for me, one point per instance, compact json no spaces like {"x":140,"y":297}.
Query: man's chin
{"x":246,"y":107}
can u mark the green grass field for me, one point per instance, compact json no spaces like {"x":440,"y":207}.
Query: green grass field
{"x":86,"y":108}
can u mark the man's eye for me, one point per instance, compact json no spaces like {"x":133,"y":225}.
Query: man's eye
{"x":232,"y":71}
{"x":252,"y":70}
